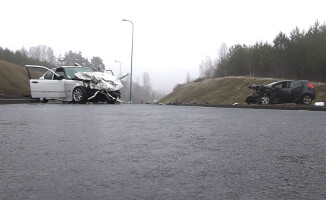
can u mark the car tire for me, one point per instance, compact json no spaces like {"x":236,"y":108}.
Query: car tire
{"x":306,"y":99}
{"x":79,"y":95}
{"x":265,"y":100}
{"x":43,"y":100}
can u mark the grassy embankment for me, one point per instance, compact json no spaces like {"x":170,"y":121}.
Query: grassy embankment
{"x":14,"y":82}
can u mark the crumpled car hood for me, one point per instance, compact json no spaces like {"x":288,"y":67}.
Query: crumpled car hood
{"x":100,"y":81}
{"x":258,"y":87}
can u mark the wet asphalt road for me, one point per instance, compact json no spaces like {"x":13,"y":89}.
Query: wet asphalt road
{"x":66,"y":151}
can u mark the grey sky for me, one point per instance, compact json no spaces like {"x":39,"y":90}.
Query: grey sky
{"x":171,"y":37}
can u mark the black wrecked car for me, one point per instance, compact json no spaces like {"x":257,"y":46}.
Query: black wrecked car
{"x":288,"y":91}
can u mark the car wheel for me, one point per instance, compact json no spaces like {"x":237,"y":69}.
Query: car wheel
{"x":79,"y":95}
{"x":43,"y":100}
{"x":265,"y":100}
{"x":306,"y":99}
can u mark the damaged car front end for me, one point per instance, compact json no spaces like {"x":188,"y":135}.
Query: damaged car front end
{"x":260,"y":96}
{"x":75,"y":84}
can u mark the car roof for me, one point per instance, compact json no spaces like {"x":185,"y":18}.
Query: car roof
{"x":64,"y":67}
{"x":283,"y":81}
{"x":277,"y":82}
{"x":72,"y":66}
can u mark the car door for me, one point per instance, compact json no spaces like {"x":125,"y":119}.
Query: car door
{"x":284,"y":91}
{"x":48,"y":88}
{"x":296,"y":87}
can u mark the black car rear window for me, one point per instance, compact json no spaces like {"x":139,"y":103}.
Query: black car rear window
{"x":295,"y":84}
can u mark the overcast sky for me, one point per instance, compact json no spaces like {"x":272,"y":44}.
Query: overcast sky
{"x":171,"y":37}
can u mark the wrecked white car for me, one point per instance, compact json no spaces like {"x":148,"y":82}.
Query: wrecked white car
{"x":75,"y":84}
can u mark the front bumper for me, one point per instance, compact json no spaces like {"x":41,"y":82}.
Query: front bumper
{"x":103,"y":95}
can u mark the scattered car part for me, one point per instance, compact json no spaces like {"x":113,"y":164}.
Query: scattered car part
{"x":319,"y":103}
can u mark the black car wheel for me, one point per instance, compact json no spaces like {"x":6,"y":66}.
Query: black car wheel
{"x":265,"y":100}
{"x":306,"y":99}
{"x":79,"y":95}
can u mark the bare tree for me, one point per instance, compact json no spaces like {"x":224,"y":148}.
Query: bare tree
{"x":50,"y":57}
{"x":42,"y":53}
{"x":24,"y":51}
{"x":222,"y":56}
{"x":188,"y":78}
{"x":206,"y":68}
{"x":147,"y":85}
{"x":34,"y":52}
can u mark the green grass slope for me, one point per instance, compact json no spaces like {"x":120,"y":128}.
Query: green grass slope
{"x":224,"y":91}
{"x":13,"y":80}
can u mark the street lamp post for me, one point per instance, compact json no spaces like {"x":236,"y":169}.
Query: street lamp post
{"x":132,"y":47}
{"x":120,"y":65}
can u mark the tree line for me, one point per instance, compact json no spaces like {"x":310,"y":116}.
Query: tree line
{"x":142,"y":91}
{"x":22,"y":58}
{"x":43,"y":55}
{"x":301,"y":55}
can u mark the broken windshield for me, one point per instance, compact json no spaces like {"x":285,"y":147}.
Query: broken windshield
{"x":71,"y":71}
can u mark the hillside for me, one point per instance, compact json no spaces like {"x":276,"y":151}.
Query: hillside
{"x":224,"y":91}
{"x":13,"y":81}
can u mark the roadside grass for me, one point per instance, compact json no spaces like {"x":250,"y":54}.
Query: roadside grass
{"x":14,"y":81}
